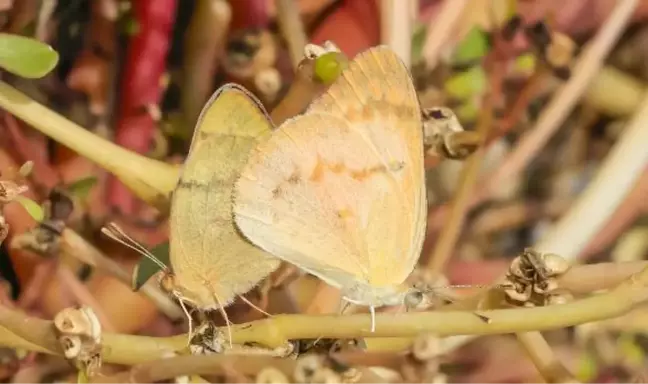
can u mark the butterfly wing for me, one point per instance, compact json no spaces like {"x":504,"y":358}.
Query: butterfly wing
{"x":339,"y":191}
{"x":208,"y":255}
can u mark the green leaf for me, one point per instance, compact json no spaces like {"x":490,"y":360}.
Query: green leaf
{"x":147,"y":267}
{"x":81,"y":188}
{"x":32,"y":207}
{"x":26,"y":57}
{"x":466,"y":84}
{"x":473,"y":47}
{"x":328,"y":67}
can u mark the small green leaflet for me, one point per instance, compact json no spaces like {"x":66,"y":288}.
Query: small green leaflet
{"x":466,"y":84}
{"x":26,"y":57}
{"x":472,"y":48}
{"x":81,"y":188}
{"x":32,"y":207}
{"x":147,"y":267}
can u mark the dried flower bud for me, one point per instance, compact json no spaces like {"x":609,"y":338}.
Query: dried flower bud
{"x":519,"y":293}
{"x":26,"y":168}
{"x":268,"y":82}
{"x":313,"y":51}
{"x":306,"y":367}
{"x":9,"y":190}
{"x":544,"y":287}
{"x":325,"y":376}
{"x":559,"y":297}
{"x":560,"y":52}
{"x":555,"y":265}
{"x":426,"y":347}
{"x":71,"y":346}
{"x":271,"y":375}
{"x":80,"y":322}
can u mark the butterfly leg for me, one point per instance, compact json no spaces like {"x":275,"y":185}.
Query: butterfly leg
{"x":248,"y":302}
{"x":372,"y":310}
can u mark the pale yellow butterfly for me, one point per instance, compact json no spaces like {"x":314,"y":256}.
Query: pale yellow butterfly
{"x":339,"y":191}
{"x":211,"y":262}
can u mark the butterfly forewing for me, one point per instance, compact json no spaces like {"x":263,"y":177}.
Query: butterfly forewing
{"x":208,"y":256}
{"x":339,"y":191}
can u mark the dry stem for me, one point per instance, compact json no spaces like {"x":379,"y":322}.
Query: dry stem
{"x":292,"y":28}
{"x":439,"y":31}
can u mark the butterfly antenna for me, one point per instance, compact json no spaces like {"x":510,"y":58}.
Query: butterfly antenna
{"x":248,"y":302}
{"x":372,"y":310}
{"x":117,"y":234}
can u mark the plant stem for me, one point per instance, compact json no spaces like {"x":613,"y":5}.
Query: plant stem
{"x":276,"y":331}
{"x":292,"y":29}
{"x":149,"y":179}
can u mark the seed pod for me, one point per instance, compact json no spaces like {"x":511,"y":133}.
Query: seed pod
{"x":306,"y":367}
{"x":325,"y":376}
{"x":271,"y":375}
{"x":555,"y":265}
{"x":426,"y":347}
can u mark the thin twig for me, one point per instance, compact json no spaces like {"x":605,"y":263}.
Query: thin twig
{"x":83,"y":296}
{"x":292,"y":29}
{"x":396,"y":27}
{"x":468,"y":178}
{"x":588,"y":64}
{"x":440,"y":29}
{"x":75,"y":245}
{"x":544,"y":359}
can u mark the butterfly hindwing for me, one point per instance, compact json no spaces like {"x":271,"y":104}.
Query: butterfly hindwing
{"x":208,"y":255}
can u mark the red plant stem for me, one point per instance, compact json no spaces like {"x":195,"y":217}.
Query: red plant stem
{"x":249,"y":14}
{"x":144,"y":66}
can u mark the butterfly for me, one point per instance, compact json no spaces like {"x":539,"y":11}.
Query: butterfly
{"x":339,"y":191}
{"x":211,"y":263}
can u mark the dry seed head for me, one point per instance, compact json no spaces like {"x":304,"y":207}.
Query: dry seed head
{"x":71,"y":346}
{"x":559,"y":297}
{"x":555,"y":265}
{"x":9,"y":190}
{"x":268,"y":82}
{"x":426,"y":347}
{"x":520,"y":293}
{"x":306,"y":367}
{"x":271,"y":375}
{"x":560,"y":52}
{"x":325,"y":376}
{"x":313,"y":51}
{"x":544,"y":287}
{"x":26,"y":168}
{"x":78,"y":322}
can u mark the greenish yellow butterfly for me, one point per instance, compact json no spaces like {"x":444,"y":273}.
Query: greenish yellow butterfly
{"x":212,"y":263}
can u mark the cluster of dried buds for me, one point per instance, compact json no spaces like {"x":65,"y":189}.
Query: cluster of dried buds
{"x":44,"y":239}
{"x":424,"y":361}
{"x":79,"y":332}
{"x":531,"y":279}
{"x":555,"y":49}
{"x":310,"y":368}
{"x":10,"y":190}
{"x":444,"y":136}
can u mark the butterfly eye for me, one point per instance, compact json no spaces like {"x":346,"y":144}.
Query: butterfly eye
{"x":413,"y":299}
